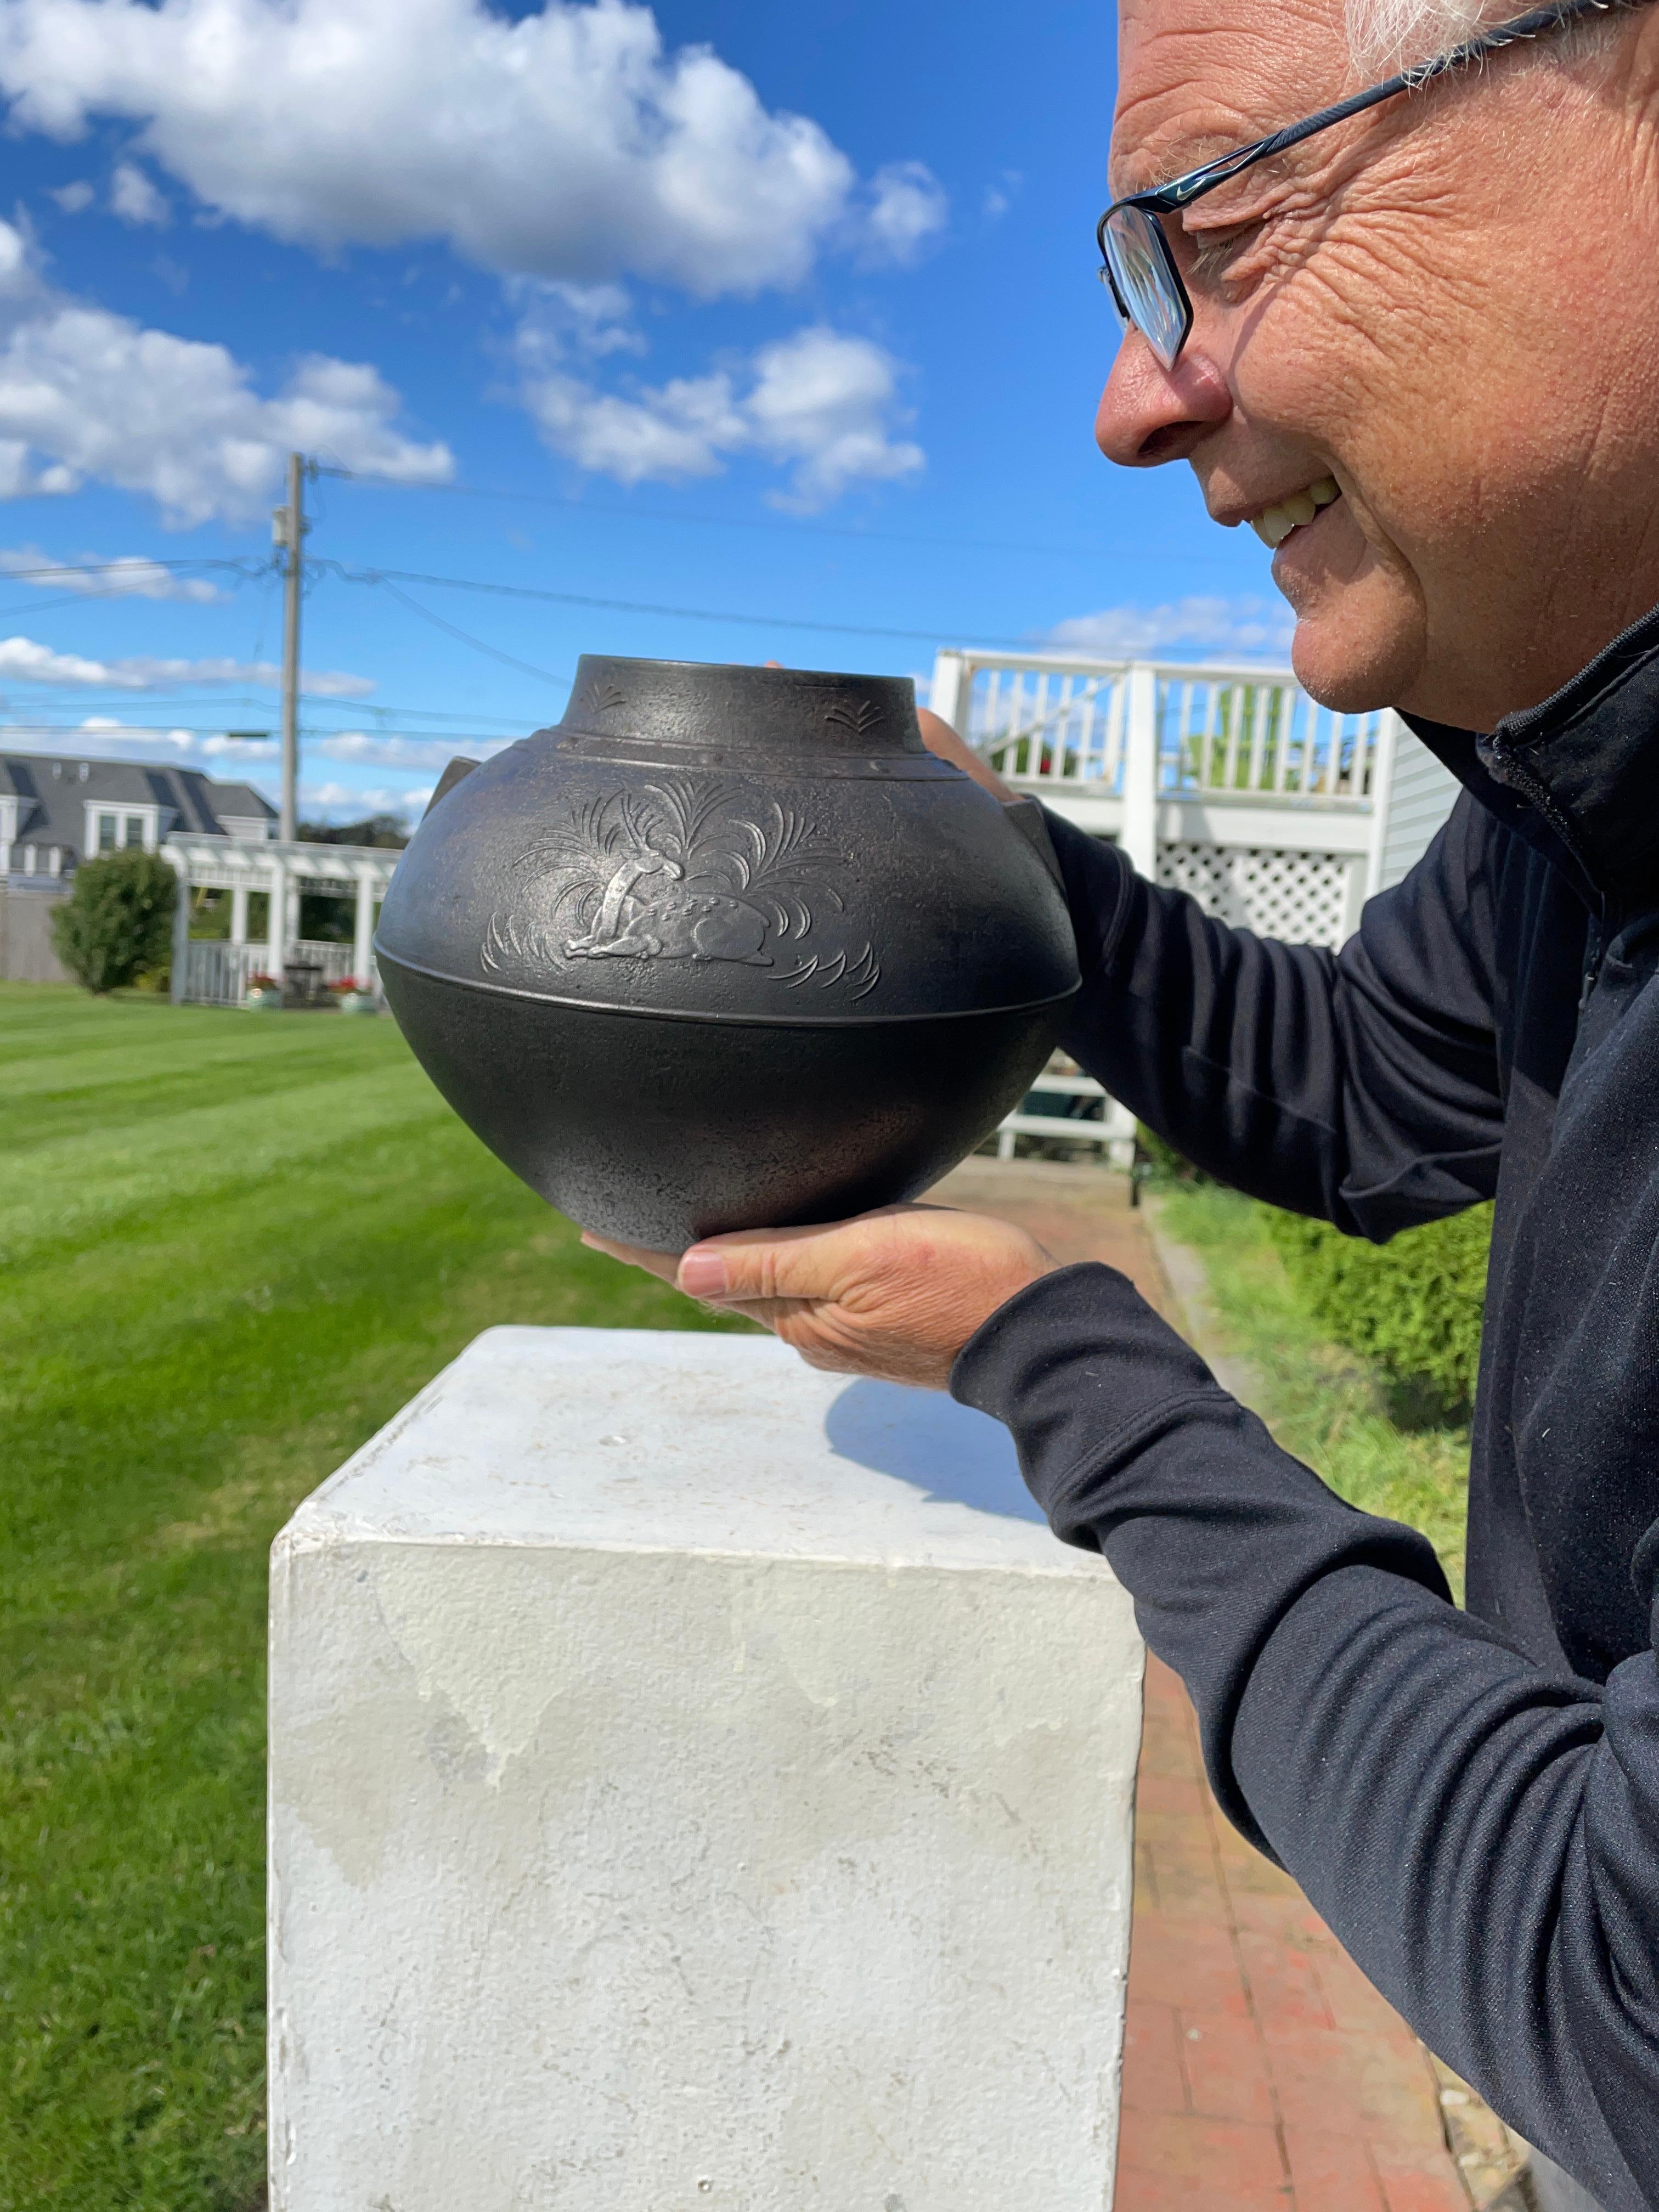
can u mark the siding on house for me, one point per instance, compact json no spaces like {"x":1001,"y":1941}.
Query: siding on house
{"x":26,"y":948}
{"x":1422,"y":797}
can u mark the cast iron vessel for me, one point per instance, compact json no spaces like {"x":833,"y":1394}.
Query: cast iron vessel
{"x":727,"y":949}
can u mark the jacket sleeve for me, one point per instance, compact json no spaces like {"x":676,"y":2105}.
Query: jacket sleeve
{"x":1361,"y":1087}
{"x":1481,"y":1833}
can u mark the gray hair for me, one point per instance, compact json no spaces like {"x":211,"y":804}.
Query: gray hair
{"x":1389,"y":34}
{"x":1385,"y":36}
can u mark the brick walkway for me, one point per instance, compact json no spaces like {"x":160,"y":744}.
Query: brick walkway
{"x":1262,"y":2071}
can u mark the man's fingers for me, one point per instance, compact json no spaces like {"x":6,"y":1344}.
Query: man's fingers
{"x":663,"y":1264}
{"x":780,"y":1263}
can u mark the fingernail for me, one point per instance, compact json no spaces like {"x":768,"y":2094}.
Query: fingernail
{"x":703,"y":1274}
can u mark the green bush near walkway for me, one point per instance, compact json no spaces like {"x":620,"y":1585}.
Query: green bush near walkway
{"x":230,"y":1248}
{"x":1413,"y":1306}
{"x":1337,"y":1412}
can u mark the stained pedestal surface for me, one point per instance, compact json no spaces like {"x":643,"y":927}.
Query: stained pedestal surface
{"x":696,"y":1781}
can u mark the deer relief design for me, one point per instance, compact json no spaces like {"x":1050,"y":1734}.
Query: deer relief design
{"x":672,"y":873}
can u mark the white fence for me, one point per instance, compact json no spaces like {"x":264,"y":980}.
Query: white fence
{"x":1229,"y":783}
{"x":216,"y":972}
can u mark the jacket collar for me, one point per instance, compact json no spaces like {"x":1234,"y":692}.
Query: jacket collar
{"x":1578,"y":777}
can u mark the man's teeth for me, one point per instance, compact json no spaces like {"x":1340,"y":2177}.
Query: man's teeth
{"x":1275,"y":525}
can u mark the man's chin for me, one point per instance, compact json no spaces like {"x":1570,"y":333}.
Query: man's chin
{"x":1349,"y":659}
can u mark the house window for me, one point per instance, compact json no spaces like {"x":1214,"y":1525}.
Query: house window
{"x":55,"y":860}
{"x":28,"y":860}
{"x":135,"y":829}
{"x":106,"y":833}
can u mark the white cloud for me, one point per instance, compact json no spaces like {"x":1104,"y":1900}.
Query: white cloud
{"x":228,"y":750}
{"x":595,"y":319}
{"x":824,"y":404}
{"x":99,"y":738}
{"x":1245,"y":625}
{"x":74,"y":199}
{"x":567,"y":143}
{"x":24,"y":661}
{"x":1000,"y":196}
{"x":85,"y":393}
{"x":135,"y":198}
{"x":346,"y":801}
{"x":908,"y":208}
{"x":131,"y":576}
{"x":420,"y":756}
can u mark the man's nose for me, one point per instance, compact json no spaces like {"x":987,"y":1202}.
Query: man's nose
{"x":1150,"y":414}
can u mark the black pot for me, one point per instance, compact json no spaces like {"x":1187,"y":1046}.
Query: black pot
{"x":727,"y":948}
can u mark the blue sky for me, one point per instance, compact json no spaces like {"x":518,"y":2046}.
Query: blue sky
{"x":786,"y":312}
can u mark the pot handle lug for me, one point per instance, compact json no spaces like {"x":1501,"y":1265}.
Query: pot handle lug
{"x":1025,"y":815}
{"x":459,"y":768}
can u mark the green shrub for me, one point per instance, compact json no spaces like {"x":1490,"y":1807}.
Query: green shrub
{"x":1413,"y":1306}
{"x":118,"y":921}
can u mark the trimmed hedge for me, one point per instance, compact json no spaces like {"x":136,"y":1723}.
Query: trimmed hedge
{"x":118,"y":921}
{"x":1413,"y":1306}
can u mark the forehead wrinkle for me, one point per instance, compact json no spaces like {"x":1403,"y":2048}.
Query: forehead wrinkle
{"x":1191,"y":89}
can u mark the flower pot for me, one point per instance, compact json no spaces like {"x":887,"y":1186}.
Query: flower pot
{"x":727,"y":948}
{"x":265,"y":1001}
{"x":357,"y":1002}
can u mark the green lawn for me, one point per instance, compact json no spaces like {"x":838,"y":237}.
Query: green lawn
{"x":231,"y":1246}
{"x":1335,"y":1413}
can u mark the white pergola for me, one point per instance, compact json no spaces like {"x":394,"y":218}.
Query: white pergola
{"x":284,"y":872}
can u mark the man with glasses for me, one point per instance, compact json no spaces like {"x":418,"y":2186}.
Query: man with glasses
{"x":1413,"y":341}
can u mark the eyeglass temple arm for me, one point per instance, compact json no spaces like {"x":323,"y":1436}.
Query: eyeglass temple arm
{"x":1169,"y":199}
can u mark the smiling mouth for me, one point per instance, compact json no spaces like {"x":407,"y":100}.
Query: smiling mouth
{"x":1275,"y":524}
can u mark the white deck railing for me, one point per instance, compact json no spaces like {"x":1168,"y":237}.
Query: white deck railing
{"x":1228,"y":781}
{"x":1224,"y":732}
{"x":217,"y":969}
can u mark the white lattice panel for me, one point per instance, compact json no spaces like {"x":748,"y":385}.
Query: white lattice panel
{"x":1300,"y":897}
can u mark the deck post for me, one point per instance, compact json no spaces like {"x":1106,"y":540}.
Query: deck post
{"x":179,"y":978}
{"x":1382,"y":771}
{"x":1141,"y":769}
{"x":276,"y":925}
{"x":945,"y":695}
{"x":362,"y":945}
{"x":695,"y":1780}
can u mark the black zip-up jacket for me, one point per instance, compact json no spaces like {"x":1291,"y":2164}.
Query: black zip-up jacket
{"x":1470,"y":1798}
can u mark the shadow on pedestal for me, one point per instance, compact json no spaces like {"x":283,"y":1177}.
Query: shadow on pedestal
{"x":946,"y":1450}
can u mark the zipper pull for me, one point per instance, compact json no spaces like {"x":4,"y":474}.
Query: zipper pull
{"x":1593,"y":952}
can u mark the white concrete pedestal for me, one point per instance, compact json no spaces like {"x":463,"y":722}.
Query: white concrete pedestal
{"x":696,"y":1782}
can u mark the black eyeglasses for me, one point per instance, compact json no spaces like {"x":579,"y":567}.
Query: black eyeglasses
{"x":1137,"y":262}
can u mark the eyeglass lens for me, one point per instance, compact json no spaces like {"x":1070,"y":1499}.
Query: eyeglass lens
{"x":1147,"y":286}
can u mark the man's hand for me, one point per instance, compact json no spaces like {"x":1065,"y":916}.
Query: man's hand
{"x":942,"y":740}
{"x":895,"y":1294}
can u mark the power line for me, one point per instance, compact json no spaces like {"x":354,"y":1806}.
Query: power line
{"x":747,"y":521}
{"x":466,"y":638}
{"x":249,"y":569}
{"x":72,"y":701}
{"x":645,"y":607}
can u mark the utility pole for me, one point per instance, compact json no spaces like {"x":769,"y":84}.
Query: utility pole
{"x":288,"y":528}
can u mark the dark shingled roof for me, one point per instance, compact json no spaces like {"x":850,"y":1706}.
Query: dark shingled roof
{"x":57,"y":792}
